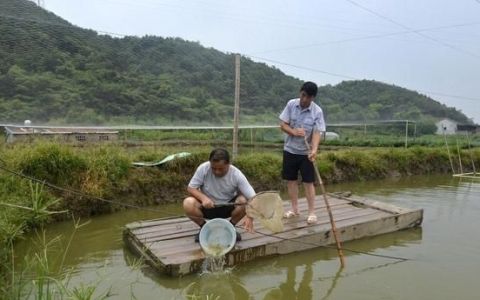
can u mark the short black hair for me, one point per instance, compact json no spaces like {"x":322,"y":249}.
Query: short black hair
{"x":219,"y":154}
{"x":310,"y":88}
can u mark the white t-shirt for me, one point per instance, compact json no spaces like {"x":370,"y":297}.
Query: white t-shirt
{"x":221,"y":189}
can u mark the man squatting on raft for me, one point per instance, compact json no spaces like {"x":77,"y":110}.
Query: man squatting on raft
{"x":217,"y":182}
{"x":301,"y":118}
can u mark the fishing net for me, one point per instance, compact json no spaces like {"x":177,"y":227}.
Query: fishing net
{"x":267,"y":207}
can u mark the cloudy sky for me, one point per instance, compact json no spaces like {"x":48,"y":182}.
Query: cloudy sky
{"x":431,"y":46}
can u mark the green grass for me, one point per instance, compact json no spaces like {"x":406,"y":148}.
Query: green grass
{"x":220,"y":135}
{"x":349,"y":137}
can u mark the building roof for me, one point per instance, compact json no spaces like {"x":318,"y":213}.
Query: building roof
{"x":446,"y":120}
{"x":16,"y":130}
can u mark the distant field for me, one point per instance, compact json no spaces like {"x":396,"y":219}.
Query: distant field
{"x":348,"y":137}
{"x":273,"y":137}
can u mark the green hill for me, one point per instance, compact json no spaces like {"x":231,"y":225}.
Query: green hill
{"x":372,"y":100}
{"x":52,"y":71}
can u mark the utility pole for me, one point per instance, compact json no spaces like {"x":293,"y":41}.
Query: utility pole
{"x":236,"y":109}
{"x":41,"y":3}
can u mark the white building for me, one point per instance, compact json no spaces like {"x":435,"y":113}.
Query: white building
{"x":446,"y":126}
{"x":68,"y":134}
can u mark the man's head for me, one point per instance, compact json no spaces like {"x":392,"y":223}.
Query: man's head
{"x":219,"y":162}
{"x":308,"y":91}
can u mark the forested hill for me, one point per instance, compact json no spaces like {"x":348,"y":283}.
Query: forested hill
{"x":52,"y":71}
{"x":372,"y":100}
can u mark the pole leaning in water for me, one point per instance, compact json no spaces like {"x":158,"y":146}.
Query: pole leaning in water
{"x":327,"y":205}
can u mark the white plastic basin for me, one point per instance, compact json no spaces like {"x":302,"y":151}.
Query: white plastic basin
{"x":217,"y":237}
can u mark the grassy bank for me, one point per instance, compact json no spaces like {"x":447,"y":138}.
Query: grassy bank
{"x":106,"y":172}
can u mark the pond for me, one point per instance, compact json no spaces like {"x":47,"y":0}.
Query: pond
{"x":443,"y":254}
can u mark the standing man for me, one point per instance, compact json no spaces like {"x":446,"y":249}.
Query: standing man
{"x":218,"y":182}
{"x":301,"y":118}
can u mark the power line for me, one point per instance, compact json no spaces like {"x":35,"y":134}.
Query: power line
{"x":450,"y":95}
{"x":355,"y":78}
{"x":302,"y":67}
{"x":376,"y":36}
{"x":243,"y":16}
{"x":453,"y":47}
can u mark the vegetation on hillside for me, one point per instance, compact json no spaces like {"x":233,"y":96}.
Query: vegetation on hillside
{"x":52,"y":71}
{"x":371,"y":100}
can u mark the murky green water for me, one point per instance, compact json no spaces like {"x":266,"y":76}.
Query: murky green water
{"x":445,"y":255}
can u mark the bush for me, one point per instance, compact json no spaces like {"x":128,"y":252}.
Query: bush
{"x":53,"y":163}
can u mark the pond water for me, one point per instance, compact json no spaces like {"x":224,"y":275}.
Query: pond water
{"x":444,"y":254}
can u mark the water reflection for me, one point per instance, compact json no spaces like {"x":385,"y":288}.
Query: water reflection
{"x":292,"y":266}
{"x":222,"y":285}
{"x":287,"y":290}
{"x":392,"y":185}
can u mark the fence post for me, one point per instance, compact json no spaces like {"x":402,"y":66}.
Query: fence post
{"x":406,"y":134}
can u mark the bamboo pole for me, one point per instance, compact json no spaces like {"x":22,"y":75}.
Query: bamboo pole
{"x":459,"y":156}
{"x":471,"y":156}
{"x":448,"y":151}
{"x":330,"y":215}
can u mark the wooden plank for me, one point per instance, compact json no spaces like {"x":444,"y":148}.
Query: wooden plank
{"x":290,"y":224}
{"x":178,"y":228}
{"x":186,"y":242}
{"x":185,"y":223}
{"x":171,"y":220}
{"x":284,"y":237}
{"x":167,"y":244}
{"x":161,"y":221}
{"x":319,"y":203}
{"x":466,"y":176}
{"x":160,"y":235}
{"x":255,"y":239}
{"x":181,"y":263}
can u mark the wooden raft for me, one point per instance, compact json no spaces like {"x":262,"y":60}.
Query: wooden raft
{"x":168,"y":245}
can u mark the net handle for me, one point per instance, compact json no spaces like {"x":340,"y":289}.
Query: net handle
{"x":244,"y":204}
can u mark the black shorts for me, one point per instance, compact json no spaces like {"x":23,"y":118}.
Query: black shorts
{"x":223,"y":212}
{"x":292,"y":163}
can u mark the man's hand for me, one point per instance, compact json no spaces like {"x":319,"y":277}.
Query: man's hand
{"x":298,"y":132}
{"x":208,"y":203}
{"x":312,"y":155}
{"x":248,"y":224}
